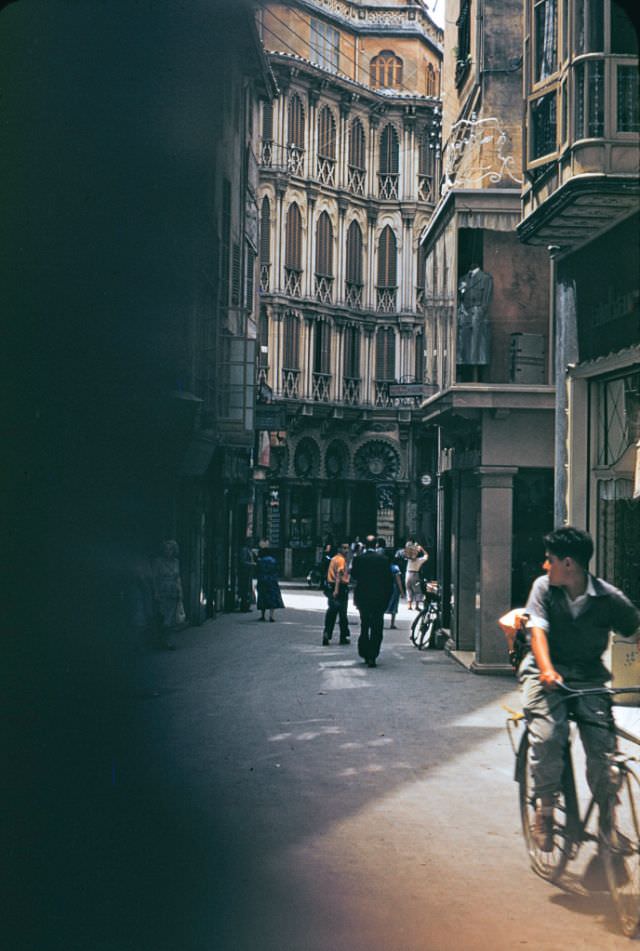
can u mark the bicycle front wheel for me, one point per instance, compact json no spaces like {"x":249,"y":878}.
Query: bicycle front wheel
{"x":547,"y":864}
{"x":422,"y":630}
{"x":621,"y":852}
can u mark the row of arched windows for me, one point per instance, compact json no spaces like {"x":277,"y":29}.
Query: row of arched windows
{"x":388,"y":155}
{"x":387,"y":248}
{"x":385,"y":341}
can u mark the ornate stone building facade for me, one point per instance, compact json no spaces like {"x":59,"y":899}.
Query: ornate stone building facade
{"x":348,"y":181}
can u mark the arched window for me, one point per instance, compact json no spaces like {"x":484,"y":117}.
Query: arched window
{"x":295,"y":138}
{"x":420,"y":357}
{"x":356,"y":162}
{"x":265,"y":231}
{"x":290,"y":355}
{"x":265,"y":243}
{"x":293,"y":252}
{"x":386,"y":70}
{"x":421,"y":277}
{"x":389,"y":162}
{"x":354,"y":282}
{"x":387,"y":269}
{"x":324,"y":258}
{"x":385,"y":355}
{"x":263,"y":339}
{"x":431,"y":80}
{"x":426,"y":165}
{"x":326,"y":146}
{"x":291,"y":341}
{"x":267,"y":134}
{"x":321,"y":346}
{"x":352,"y":352}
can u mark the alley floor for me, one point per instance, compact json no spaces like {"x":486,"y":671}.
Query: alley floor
{"x":255,"y":791}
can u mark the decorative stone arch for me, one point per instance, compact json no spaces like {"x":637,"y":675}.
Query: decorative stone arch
{"x":377,"y":460}
{"x":325,"y":204}
{"x":306,"y":458}
{"x":337,"y":460}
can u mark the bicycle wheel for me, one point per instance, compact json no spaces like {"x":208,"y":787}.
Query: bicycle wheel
{"x":621,"y":852}
{"x":415,"y":630}
{"x":548,"y":865}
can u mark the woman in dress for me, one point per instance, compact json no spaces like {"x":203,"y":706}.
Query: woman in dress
{"x":392,"y":606}
{"x":269,"y":597}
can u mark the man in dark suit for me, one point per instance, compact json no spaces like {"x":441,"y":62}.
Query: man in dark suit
{"x":372,"y":574}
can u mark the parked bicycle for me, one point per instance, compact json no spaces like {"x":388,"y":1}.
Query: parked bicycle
{"x":427,"y":622}
{"x":618,"y":838}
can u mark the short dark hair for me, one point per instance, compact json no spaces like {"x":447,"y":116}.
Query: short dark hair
{"x":381,"y":542}
{"x":569,"y":542}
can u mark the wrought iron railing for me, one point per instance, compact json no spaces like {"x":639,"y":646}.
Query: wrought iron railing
{"x":262,"y":375}
{"x":290,"y":383}
{"x":421,"y":299}
{"x":388,"y":184}
{"x":351,"y":390}
{"x":353,"y":295}
{"x":425,"y":188}
{"x":323,"y":288}
{"x":266,"y":153}
{"x":381,"y":397}
{"x":326,"y":170}
{"x":295,"y":160}
{"x":264,"y":277}
{"x":356,"y":180}
{"x":321,"y":383}
{"x":386,"y":300}
{"x":293,"y":282}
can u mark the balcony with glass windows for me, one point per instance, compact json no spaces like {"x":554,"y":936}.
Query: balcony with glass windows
{"x":323,"y":288}
{"x":582,"y":127}
{"x":293,"y":282}
{"x":388,"y":183}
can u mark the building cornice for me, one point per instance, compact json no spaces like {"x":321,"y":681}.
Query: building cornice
{"x":388,"y":20}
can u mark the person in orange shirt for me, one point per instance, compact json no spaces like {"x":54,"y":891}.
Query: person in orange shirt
{"x":337,"y":592}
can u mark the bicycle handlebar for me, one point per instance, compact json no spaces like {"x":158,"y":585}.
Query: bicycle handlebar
{"x":608,"y":691}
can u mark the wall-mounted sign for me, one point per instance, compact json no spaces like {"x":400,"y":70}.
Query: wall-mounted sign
{"x":270,"y":418}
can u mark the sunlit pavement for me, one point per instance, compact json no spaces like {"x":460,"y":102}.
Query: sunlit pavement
{"x":270,"y":794}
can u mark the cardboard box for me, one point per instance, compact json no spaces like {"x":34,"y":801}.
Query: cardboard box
{"x":625,"y":669}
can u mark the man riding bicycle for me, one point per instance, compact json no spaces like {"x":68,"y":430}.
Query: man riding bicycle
{"x":570,"y":616}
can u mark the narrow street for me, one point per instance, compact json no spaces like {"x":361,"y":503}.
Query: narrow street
{"x":271,"y":794}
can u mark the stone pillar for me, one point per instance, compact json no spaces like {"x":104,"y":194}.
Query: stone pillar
{"x":339,"y":289}
{"x":275,"y":349}
{"x":309,"y":267}
{"x":494,"y":578}
{"x":369,"y":290}
{"x":465,"y":559}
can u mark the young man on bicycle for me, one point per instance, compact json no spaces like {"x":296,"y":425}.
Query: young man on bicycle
{"x":571,"y":614}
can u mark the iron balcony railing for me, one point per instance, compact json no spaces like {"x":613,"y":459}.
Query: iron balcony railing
{"x":321,"y":383}
{"x":356,"y":180}
{"x":351,"y":390}
{"x":388,"y":184}
{"x":264,"y":277}
{"x":353,"y":295}
{"x":326,"y":170}
{"x":323,"y":288}
{"x":386,"y":300}
{"x":290,"y":384}
{"x":293,"y":282}
{"x":425,"y":188}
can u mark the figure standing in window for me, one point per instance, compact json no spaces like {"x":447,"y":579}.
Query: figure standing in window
{"x":474,"y":330}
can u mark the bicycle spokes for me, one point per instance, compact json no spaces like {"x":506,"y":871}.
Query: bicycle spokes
{"x":621,"y":851}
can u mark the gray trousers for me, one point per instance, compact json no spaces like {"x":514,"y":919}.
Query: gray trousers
{"x":547,"y":718}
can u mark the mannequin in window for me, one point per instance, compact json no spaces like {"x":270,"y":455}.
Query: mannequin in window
{"x":474,"y":330}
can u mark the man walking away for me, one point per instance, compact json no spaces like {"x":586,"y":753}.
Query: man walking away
{"x":372,"y":574}
{"x":337,"y":592}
